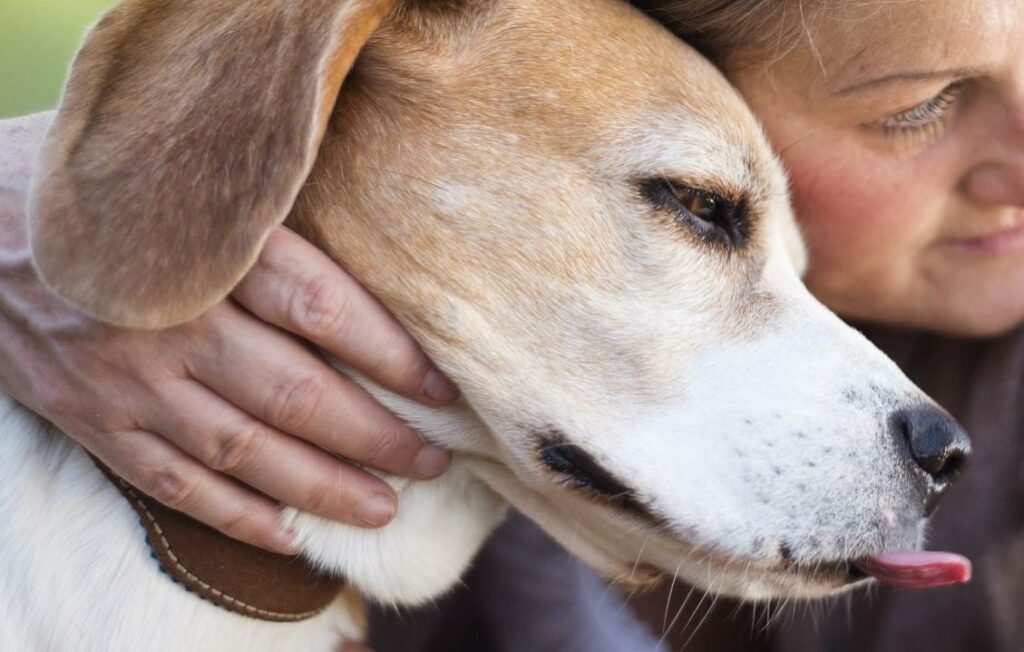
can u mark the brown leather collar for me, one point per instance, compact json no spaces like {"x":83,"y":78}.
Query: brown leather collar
{"x":236,"y":576}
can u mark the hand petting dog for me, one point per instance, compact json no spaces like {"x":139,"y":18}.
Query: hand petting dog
{"x":225,"y":416}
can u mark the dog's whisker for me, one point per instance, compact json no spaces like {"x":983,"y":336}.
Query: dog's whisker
{"x":668,"y":600}
{"x":575,"y":532}
{"x":786,"y":605}
{"x":707,"y":614}
{"x":696,"y":609}
{"x":774,"y":609}
{"x":675,"y":618}
{"x":639,"y":554}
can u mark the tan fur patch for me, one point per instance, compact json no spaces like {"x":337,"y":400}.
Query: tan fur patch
{"x":474,"y":180}
{"x":185,"y":133}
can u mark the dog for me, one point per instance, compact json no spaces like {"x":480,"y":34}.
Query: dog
{"x":580,"y":221}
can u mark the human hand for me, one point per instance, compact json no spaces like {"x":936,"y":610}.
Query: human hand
{"x":222,"y":417}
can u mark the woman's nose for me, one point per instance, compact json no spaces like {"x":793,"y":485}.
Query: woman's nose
{"x":998,"y":179}
{"x":999,"y":183}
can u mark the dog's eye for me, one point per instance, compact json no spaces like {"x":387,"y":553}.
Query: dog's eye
{"x":705,"y":213}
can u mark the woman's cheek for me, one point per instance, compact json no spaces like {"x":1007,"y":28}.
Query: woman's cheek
{"x":857,"y":219}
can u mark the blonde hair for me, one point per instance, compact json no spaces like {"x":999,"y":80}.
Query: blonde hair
{"x":733,"y":33}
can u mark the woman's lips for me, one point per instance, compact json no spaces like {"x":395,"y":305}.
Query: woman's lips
{"x":1005,"y":240}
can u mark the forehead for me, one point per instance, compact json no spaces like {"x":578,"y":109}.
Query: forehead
{"x":847,"y":44}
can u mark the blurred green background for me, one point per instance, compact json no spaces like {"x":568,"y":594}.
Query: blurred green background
{"x":37,"y":40}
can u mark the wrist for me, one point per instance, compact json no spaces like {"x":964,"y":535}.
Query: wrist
{"x":20,"y":142}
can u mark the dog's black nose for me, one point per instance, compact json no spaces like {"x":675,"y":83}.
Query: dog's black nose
{"x":938,"y":448}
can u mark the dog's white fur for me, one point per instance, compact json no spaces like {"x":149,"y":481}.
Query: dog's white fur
{"x":740,"y":412}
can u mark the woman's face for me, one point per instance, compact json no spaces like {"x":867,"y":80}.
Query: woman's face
{"x":902,"y":126}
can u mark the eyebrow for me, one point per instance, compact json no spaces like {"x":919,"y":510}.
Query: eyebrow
{"x":908,"y":77}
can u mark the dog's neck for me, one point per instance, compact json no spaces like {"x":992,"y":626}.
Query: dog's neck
{"x":440,"y":524}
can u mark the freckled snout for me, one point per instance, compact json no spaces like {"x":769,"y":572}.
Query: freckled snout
{"x":937,"y":449}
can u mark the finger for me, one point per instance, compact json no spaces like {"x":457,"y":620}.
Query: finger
{"x":228,"y":440}
{"x":298,"y":288}
{"x":156,"y":468}
{"x":268,"y":374}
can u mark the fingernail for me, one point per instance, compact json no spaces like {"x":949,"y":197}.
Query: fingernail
{"x":437,"y":386}
{"x":431,"y":462}
{"x":284,"y":541}
{"x":375,"y":511}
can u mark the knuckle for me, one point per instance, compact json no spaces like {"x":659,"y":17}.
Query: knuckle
{"x":203,"y":329}
{"x":383,"y":445}
{"x":320,"y":498}
{"x":295,"y":399}
{"x":173,"y":488}
{"x":235,"y":447}
{"x":403,"y":362}
{"x":316,"y":309}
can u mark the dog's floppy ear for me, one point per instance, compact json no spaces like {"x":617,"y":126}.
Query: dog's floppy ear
{"x":186,"y":130}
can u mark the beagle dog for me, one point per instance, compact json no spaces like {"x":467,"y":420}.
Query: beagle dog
{"x":580,"y":221}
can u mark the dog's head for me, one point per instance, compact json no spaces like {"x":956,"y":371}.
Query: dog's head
{"x":572,"y":211}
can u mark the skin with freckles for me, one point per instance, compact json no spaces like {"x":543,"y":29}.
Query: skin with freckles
{"x":905,"y":150}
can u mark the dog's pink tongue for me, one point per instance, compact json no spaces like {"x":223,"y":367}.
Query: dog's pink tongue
{"x":917,"y":569}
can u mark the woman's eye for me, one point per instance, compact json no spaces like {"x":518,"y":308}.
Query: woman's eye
{"x":928,"y":116}
{"x":706,"y":213}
